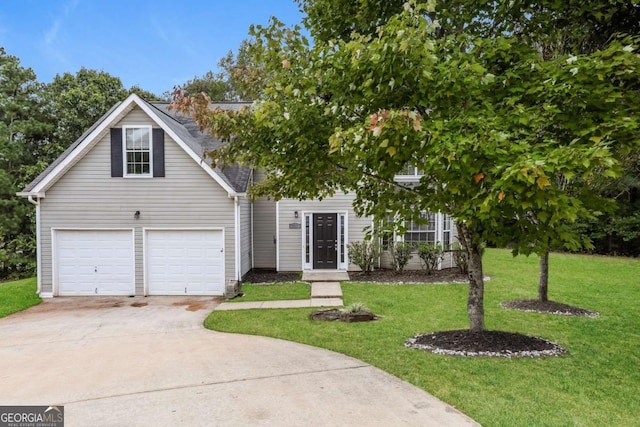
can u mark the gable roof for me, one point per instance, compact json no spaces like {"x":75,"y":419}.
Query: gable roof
{"x":182,"y":128}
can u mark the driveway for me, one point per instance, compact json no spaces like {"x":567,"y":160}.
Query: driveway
{"x":149,"y":361}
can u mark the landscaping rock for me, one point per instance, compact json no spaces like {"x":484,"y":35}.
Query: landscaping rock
{"x":485,"y":344}
{"x":548,"y":307}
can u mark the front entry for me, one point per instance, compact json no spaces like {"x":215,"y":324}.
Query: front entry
{"x":325,"y":240}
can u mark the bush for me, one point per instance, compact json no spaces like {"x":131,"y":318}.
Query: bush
{"x":401,"y":254}
{"x":460,"y":257}
{"x":355,"y":308}
{"x":431,"y":255}
{"x":364,"y":254}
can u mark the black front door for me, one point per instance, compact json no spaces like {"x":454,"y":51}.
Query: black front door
{"x":325,"y":240}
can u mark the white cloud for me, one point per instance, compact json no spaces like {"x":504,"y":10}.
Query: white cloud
{"x":51,"y":36}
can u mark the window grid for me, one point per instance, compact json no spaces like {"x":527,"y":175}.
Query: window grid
{"x":307,"y":233}
{"x":422,"y":232}
{"x":138,"y":151}
{"x":446,"y":232}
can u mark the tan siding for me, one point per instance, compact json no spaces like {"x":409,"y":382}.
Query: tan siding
{"x":245,"y":235}
{"x":264,"y":230}
{"x":87,"y":196}
{"x":291,"y":239}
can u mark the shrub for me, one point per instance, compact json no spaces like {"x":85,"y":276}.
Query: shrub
{"x":460,"y":257}
{"x":364,"y":254}
{"x":401,"y":254}
{"x":431,"y":255}
{"x":356,"y":307}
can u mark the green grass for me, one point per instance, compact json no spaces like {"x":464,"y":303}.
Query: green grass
{"x":595,"y":385}
{"x":18,"y":295}
{"x":274,"y":292}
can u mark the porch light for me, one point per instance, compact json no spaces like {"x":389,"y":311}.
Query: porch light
{"x":136,"y":215}
{"x":295,"y":214}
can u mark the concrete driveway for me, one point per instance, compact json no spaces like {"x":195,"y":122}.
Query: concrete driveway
{"x":149,"y":361}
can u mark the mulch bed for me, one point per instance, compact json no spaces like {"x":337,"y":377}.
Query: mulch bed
{"x":548,"y":307}
{"x":270,"y":276}
{"x":485,"y":344}
{"x":338,"y":315}
{"x":446,"y":275}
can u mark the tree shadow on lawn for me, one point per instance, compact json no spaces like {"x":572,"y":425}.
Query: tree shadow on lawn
{"x":464,"y":342}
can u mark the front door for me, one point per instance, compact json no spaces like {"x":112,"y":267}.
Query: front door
{"x":325,"y":238}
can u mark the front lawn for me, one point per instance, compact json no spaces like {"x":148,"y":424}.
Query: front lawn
{"x":594,"y":385}
{"x":273,"y":292}
{"x":18,"y":295}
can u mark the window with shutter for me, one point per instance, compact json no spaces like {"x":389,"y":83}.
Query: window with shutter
{"x":137,"y":151}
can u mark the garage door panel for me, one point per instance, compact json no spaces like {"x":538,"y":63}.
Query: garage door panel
{"x":94,"y":262}
{"x":183,"y":262}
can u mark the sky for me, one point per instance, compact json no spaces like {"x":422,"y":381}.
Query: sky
{"x":154,"y":44}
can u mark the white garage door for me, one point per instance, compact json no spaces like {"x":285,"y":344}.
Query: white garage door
{"x":94,"y":262}
{"x":185,"y":262}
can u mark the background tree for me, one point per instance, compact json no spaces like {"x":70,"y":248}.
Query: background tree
{"x":148,"y":96}
{"x":464,"y":109}
{"x":241,"y":78}
{"x":24,"y":131}
{"x":215,"y":85}
{"x":77,"y":101}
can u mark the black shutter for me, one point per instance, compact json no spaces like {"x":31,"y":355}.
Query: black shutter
{"x":158,"y":153}
{"x":116,"y":152}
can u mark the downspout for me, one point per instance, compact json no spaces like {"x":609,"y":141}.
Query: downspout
{"x":237,"y":236}
{"x":38,"y":253}
{"x":277,"y":236}
{"x":252,"y":239}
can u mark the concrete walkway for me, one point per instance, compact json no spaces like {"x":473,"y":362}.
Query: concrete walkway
{"x":325,"y":292}
{"x":115,"y":361}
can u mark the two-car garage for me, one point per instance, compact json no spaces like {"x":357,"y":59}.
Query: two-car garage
{"x":103,"y":262}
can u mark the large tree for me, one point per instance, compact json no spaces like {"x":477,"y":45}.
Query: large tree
{"x":477,"y":114}
{"x":78,"y":100}
{"x":24,"y":131}
{"x":554,"y":29}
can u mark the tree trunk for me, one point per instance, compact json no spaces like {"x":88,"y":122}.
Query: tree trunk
{"x":543,"y":282}
{"x":475,"y":301}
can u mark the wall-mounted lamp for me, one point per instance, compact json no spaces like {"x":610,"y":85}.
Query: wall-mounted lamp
{"x":136,"y":215}
{"x":295,"y":213}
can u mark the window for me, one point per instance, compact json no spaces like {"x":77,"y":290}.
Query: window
{"x":307,"y":237}
{"x":137,"y":151}
{"x":411,"y":170}
{"x":422,"y":230}
{"x":386,"y":231}
{"x":342,"y":236}
{"x":446,"y":231}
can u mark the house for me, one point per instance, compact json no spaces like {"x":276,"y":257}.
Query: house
{"x":131,"y":208}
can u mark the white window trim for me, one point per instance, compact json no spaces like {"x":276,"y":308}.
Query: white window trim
{"x":124,"y":152}
{"x":406,"y":177}
{"x":435,"y":231}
